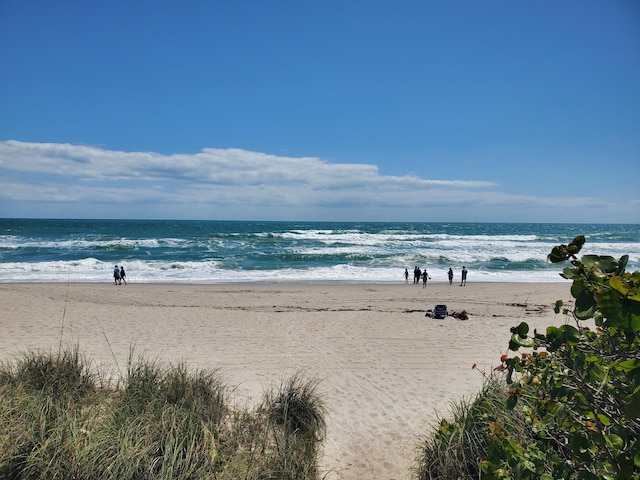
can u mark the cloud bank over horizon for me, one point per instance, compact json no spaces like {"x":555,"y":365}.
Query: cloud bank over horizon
{"x":80,"y":181}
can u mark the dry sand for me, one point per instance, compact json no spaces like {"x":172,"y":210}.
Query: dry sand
{"x":387,"y":372}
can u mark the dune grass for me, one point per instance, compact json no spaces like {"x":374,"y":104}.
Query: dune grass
{"x":59,"y":420}
{"x":298,"y":412}
{"x":456,"y":445}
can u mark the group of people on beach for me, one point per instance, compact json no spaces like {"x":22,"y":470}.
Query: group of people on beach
{"x":419,"y":274}
{"x":119,"y":275}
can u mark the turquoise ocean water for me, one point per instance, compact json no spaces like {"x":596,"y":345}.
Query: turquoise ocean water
{"x":165,"y":251}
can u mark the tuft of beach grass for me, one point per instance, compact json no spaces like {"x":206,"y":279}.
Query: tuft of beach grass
{"x":59,"y":421}
{"x":456,"y":445}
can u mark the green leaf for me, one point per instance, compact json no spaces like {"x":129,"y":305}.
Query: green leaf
{"x":619,"y":312}
{"x":523,"y":329}
{"x":558,"y":254}
{"x":604,"y":419}
{"x":558,"y":306}
{"x":561,"y":253}
{"x":557,"y":336}
{"x":576,"y":244}
{"x":571,"y":273}
{"x":617,"y":283}
{"x":585,"y":302}
{"x":629,"y":290}
{"x":629,"y":365}
{"x":517,"y":341}
{"x":622,"y":264}
{"x":571,"y":334}
{"x":554,"y":338}
{"x":614,"y":441}
{"x":605,"y":264}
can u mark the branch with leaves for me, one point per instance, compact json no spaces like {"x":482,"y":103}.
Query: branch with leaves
{"x":579,"y":389}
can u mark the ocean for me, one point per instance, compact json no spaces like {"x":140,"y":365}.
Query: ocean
{"x":209,"y":252}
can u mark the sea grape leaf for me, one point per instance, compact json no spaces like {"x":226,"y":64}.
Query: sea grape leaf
{"x":614,"y":441}
{"x":629,"y":365}
{"x":619,"y":284}
{"x":522,"y":329}
{"x":585,"y":304}
{"x":571,"y":273}
{"x":562,"y":253}
{"x":558,"y":306}
{"x":619,"y":312}
{"x":558,"y":254}
{"x":517,"y":341}
{"x":557,"y":336}
{"x":576,"y":244}
{"x":571,"y":334}
{"x":634,"y":294}
{"x":604,"y":264}
{"x":627,"y":289}
{"x":554,"y":338}
{"x":622,"y":264}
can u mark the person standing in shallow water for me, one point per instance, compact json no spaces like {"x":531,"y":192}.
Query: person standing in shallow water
{"x":450,"y":274}
{"x":464,"y":277}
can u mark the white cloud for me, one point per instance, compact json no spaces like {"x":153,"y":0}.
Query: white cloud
{"x":251,"y":171}
{"x":211,"y":166}
{"x":234,"y":182}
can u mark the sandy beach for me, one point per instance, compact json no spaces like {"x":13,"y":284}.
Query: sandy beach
{"x":387,"y":372}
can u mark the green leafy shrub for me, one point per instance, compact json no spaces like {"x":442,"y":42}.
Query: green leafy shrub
{"x":579,"y":390}
{"x":567,"y":406}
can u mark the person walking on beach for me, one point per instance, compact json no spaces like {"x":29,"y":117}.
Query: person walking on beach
{"x":450,"y":274}
{"x":425,"y":275}
{"x":116,"y":275}
{"x":416,"y":275}
{"x":123,"y":276}
{"x":406,"y":275}
{"x":464,"y":277}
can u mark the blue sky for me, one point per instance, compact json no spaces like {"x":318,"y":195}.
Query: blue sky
{"x":321,"y":110}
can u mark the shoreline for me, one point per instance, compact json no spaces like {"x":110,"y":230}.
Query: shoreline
{"x":386,"y":371}
{"x":283,"y":282}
